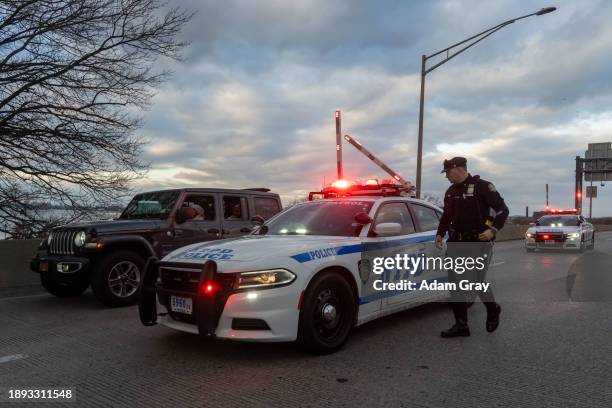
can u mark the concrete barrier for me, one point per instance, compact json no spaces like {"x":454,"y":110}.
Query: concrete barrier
{"x":15,"y":263}
{"x":512,"y":231}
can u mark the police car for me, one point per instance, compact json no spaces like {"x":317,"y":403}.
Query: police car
{"x":560,"y":229}
{"x":301,"y":275}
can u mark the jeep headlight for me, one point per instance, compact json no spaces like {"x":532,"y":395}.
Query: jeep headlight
{"x":264,"y":279}
{"x":79,"y":239}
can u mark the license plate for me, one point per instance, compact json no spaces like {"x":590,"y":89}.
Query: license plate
{"x":43,"y":266}
{"x":181,"y":304}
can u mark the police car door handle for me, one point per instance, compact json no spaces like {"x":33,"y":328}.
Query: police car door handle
{"x":213,"y":231}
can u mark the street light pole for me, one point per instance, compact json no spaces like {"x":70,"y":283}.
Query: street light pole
{"x":424,"y":71}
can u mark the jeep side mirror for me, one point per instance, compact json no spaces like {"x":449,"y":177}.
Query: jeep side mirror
{"x":362,"y":218}
{"x":257,"y":220}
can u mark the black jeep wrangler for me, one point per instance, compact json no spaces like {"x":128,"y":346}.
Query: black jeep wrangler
{"x":110,"y":255}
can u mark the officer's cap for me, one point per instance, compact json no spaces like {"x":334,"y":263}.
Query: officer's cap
{"x":454,"y":162}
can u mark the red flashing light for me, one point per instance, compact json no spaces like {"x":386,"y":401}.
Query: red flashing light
{"x":340,"y":184}
{"x":208,"y":288}
{"x":545,"y":236}
{"x":579,"y":194}
{"x":337,"y":147}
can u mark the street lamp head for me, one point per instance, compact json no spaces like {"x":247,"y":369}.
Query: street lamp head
{"x":546,"y":10}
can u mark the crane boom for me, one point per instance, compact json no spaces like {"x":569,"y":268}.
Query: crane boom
{"x":377,"y":161}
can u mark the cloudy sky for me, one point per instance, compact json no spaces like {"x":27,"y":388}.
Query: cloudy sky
{"x":253,"y":103}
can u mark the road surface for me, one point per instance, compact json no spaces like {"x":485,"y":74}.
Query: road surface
{"x":553,"y":348}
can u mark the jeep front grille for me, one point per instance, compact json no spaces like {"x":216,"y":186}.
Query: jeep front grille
{"x":62,"y":243}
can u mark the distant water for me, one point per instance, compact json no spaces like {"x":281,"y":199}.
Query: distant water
{"x":55,"y":214}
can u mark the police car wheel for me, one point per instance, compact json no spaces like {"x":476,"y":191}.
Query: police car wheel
{"x":327,"y":314}
{"x":63,"y":289}
{"x":117,"y":277}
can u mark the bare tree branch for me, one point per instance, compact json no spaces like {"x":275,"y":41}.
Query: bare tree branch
{"x":73,"y":76}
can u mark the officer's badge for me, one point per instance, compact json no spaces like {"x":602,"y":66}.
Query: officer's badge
{"x":470,"y":190}
{"x":492,"y":188}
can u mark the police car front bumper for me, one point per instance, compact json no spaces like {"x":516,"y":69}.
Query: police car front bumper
{"x":566,"y":243}
{"x":267,"y":315}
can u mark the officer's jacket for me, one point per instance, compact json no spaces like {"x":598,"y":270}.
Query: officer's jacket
{"x":471,"y":207}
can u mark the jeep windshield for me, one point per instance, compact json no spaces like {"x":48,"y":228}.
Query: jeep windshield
{"x":334,"y":218}
{"x":158,"y":204}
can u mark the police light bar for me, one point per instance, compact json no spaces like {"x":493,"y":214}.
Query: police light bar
{"x":560,"y":211}
{"x":343,"y":188}
{"x":340,"y":184}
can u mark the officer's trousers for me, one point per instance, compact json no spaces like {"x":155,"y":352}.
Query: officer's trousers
{"x":460,"y":299}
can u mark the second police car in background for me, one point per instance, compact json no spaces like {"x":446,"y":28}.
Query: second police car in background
{"x":561,"y":229}
{"x":300,"y":276}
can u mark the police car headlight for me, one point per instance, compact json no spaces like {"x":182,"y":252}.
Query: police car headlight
{"x":529,"y":235}
{"x":264,"y":279}
{"x":573,"y":235}
{"x":79,"y":239}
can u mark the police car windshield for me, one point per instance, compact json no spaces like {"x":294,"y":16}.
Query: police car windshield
{"x":333,"y":218}
{"x":559,"y":221}
{"x":157,"y":204}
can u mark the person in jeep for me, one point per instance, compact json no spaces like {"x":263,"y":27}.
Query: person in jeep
{"x":110,"y":255}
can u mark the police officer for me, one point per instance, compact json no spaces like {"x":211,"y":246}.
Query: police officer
{"x":473,"y":214}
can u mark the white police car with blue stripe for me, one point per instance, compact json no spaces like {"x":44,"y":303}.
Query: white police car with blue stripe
{"x":300,"y":276}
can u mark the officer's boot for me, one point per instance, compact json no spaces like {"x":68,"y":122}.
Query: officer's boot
{"x":459,"y":329}
{"x":493,"y":318}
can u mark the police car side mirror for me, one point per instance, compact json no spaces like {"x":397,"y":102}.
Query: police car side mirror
{"x":388,"y":228}
{"x":257,"y":220}
{"x":362,"y":218}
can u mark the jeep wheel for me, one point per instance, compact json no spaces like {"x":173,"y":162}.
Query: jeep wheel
{"x":117,"y":277}
{"x":327,"y":314}
{"x":63,"y":289}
